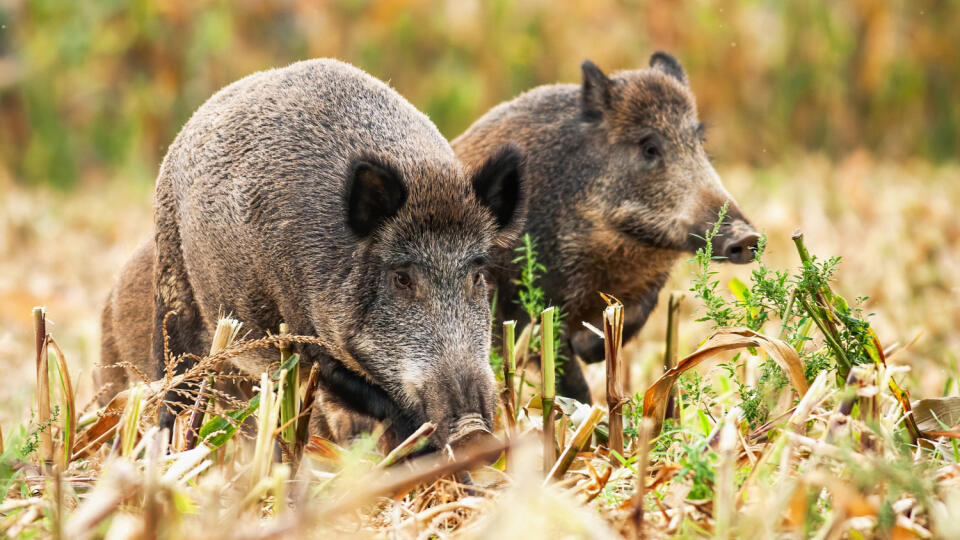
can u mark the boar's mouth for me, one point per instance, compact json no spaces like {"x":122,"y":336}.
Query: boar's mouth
{"x":361,"y":395}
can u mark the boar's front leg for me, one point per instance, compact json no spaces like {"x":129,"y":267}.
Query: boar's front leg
{"x":572,"y":383}
{"x":185,"y":328}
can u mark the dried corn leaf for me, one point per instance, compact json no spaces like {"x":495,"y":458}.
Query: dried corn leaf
{"x":938,"y":417}
{"x":321,"y":449}
{"x":724,"y":339}
{"x":108,"y":419}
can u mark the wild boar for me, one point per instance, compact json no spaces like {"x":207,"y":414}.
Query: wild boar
{"x":317,"y":196}
{"x":620,"y":187}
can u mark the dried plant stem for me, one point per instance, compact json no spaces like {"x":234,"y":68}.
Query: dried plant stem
{"x":309,"y":396}
{"x":267,"y":418}
{"x":523,"y":348}
{"x":43,"y":386}
{"x":416,"y":441}
{"x":612,"y":342}
{"x":548,"y":389}
{"x":725,"y":498}
{"x":580,"y":439}
{"x":196,"y":416}
{"x":69,"y":416}
{"x":670,"y":351}
{"x":509,"y":368}
{"x":130,"y":420}
{"x":636,"y":513}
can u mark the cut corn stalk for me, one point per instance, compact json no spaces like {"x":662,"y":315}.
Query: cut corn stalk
{"x":509,"y":368}
{"x":613,"y":342}
{"x":548,"y":387}
{"x":290,"y":406}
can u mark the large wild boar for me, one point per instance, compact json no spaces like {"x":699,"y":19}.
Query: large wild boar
{"x":317,"y":196}
{"x":620,"y":187}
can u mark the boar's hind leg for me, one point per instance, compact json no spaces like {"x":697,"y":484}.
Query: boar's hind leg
{"x":589,"y":346}
{"x":184,"y":328}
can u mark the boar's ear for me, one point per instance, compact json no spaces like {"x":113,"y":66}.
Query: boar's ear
{"x":500,"y":185}
{"x":662,"y":61}
{"x":596,"y":91}
{"x":375,"y":194}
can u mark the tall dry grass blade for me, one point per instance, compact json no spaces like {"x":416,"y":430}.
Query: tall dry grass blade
{"x":223,"y":337}
{"x":415,"y":442}
{"x":267,"y":418}
{"x":509,"y":368}
{"x":58,"y":515}
{"x":671,"y":348}
{"x":636,"y":511}
{"x":579,"y":440}
{"x":724,"y":500}
{"x":613,"y":344}
{"x":309,"y":397}
{"x":69,"y":416}
{"x":548,"y":388}
{"x":154,"y":448}
{"x":43,"y":386}
{"x":130,"y":421}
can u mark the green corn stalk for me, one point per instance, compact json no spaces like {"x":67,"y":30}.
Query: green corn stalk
{"x":290,"y":405}
{"x":216,"y":432}
{"x":130,"y":421}
{"x":823,"y":310}
{"x":549,"y":388}
{"x":509,"y":368}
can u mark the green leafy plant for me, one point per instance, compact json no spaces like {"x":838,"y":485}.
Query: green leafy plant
{"x":532,"y":299}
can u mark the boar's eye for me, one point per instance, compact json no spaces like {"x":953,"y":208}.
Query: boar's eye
{"x":402,"y":280}
{"x":650,"y":147}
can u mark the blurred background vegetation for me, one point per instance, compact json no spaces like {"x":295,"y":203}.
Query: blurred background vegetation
{"x":93,"y":90}
{"x":842,"y":118}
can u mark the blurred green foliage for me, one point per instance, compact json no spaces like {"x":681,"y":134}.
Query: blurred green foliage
{"x":97,"y":89}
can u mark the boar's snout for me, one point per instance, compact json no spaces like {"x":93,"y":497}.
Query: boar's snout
{"x":470,"y":431}
{"x":460,"y":400}
{"x":738,"y":243}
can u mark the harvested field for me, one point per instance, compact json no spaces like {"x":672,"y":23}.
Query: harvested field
{"x":749,"y":452}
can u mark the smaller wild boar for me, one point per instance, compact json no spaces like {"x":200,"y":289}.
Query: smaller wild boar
{"x":620,"y":187}
{"x":317,"y":196}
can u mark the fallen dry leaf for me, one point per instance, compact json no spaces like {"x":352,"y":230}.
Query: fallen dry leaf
{"x":724,"y":339}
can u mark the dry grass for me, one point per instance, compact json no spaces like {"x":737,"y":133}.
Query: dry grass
{"x":821,"y":471}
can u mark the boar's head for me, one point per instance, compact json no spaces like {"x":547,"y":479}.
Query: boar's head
{"x":658,"y":185}
{"x":421,"y":331}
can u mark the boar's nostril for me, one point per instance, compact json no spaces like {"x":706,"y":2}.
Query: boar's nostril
{"x":740,"y":250}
